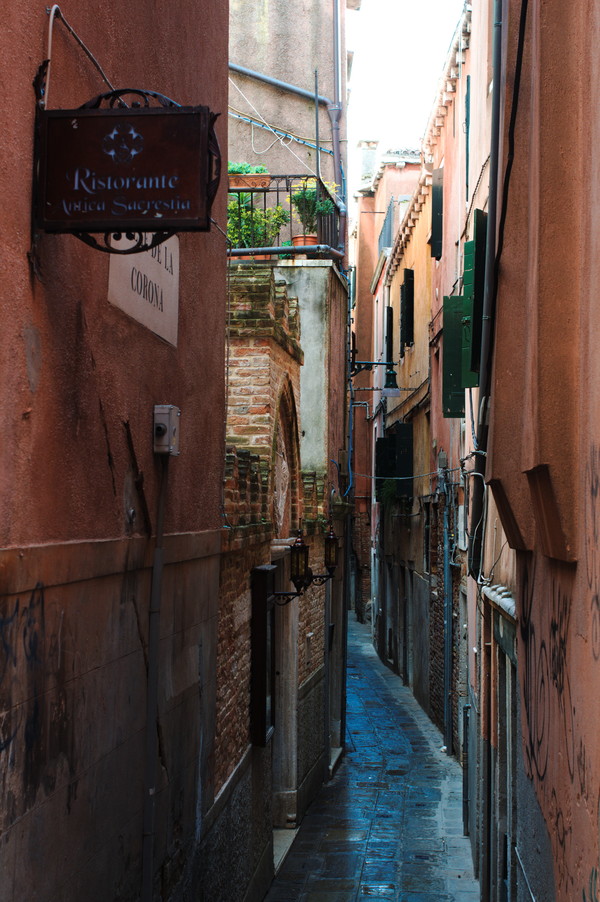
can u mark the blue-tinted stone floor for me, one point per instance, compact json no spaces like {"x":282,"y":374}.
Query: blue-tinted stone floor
{"x":388,"y":826}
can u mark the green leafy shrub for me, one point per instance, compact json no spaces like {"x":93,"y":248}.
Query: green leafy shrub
{"x":308,"y":206}
{"x":249,"y":226}
{"x":245,"y":169}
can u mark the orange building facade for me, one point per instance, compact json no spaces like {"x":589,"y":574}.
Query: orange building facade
{"x":109,"y":570}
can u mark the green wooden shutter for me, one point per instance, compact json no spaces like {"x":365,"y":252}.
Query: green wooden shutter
{"x":479,"y":239}
{"x":402,"y":319}
{"x":453,"y":395}
{"x":473,"y":285}
{"x":409,"y":281}
{"x":437,"y":212}
{"x":468,"y":378}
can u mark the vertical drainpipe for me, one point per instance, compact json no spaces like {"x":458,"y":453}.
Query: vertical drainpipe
{"x":489,"y":305}
{"x":335,"y":109}
{"x":475,"y":552}
{"x":152,"y":692}
{"x":327,"y":685}
{"x":445,"y":489}
{"x":335,"y":114}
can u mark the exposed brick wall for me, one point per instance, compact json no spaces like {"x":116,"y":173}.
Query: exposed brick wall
{"x":247,"y":544}
{"x":436,"y":623}
{"x":313,"y":491}
{"x":457,"y":675}
{"x":244,"y":547}
{"x":246,"y":487}
{"x":264,"y":356}
{"x":436,"y":616}
{"x":361,"y":542}
{"x":311,"y":621}
{"x":264,"y":384}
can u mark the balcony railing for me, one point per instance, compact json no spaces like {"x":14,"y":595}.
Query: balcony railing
{"x":269,"y":215}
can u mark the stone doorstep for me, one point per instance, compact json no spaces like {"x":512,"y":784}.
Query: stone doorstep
{"x":282,"y":843}
{"x":335,"y":757}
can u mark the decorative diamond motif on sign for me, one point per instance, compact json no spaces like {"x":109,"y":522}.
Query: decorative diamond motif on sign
{"x":123,"y":143}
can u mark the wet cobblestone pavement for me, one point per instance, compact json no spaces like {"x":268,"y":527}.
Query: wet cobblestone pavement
{"x":389,"y":824}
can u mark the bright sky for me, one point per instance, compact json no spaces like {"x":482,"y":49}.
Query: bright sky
{"x":400,"y":48}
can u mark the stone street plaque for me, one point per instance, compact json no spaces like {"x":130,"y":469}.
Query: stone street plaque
{"x":103,"y":170}
{"x":146,"y":287}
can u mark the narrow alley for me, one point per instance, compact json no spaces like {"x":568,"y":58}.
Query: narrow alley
{"x":389,"y":824}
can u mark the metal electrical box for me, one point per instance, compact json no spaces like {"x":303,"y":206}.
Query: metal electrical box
{"x":166,"y":429}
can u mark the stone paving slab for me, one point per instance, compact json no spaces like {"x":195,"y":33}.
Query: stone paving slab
{"x":388,"y":826}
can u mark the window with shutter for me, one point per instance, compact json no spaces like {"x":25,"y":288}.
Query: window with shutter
{"x":402,"y":319}
{"x":394,"y":460}
{"x":409,"y":281}
{"x":469,"y":379}
{"x":453,"y":394}
{"x":407,"y":310}
{"x":404,"y":460}
{"x":385,"y":462}
{"x":389,"y":334}
{"x":479,"y":239}
{"x":473,"y":284}
{"x":386,"y":236}
{"x":437,"y":212}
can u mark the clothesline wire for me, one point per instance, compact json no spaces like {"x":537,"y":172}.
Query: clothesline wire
{"x":283,"y":144}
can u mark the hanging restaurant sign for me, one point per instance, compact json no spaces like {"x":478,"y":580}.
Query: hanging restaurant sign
{"x":126,"y":170}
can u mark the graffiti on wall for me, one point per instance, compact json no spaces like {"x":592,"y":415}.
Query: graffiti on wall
{"x":548,"y":704}
{"x":591,"y":893}
{"x":35,"y":727}
{"x":536,"y":683}
{"x":592,"y":536}
{"x":561,"y":683}
{"x":554,"y":741}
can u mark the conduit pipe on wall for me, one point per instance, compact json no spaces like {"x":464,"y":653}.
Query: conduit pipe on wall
{"x":489,"y":305}
{"x":445,"y":490}
{"x":333,"y":109}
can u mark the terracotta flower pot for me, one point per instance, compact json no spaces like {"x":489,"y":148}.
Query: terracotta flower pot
{"x":252,"y":257}
{"x":304,"y":240}
{"x":250,"y":180}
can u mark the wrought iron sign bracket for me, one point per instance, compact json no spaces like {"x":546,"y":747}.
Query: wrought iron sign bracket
{"x":319,"y":579}
{"x":286,"y":597}
{"x":312,"y":579}
{"x":134,"y":169}
{"x":358,"y":366}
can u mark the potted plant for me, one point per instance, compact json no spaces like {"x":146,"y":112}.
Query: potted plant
{"x":309,"y":204}
{"x":254,"y":226}
{"x":243,"y":175}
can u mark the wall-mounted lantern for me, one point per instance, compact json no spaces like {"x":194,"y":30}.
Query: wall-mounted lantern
{"x":299,"y":568}
{"x":391,"y":384}
{"x":301,"y":574}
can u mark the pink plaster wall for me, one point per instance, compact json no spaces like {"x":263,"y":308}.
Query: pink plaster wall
{"x":449,"y":153}
{"x":75,"y":572}
{"x":74,"y":369}
{"x":546,"y":425}
{"x":366,"y":258}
